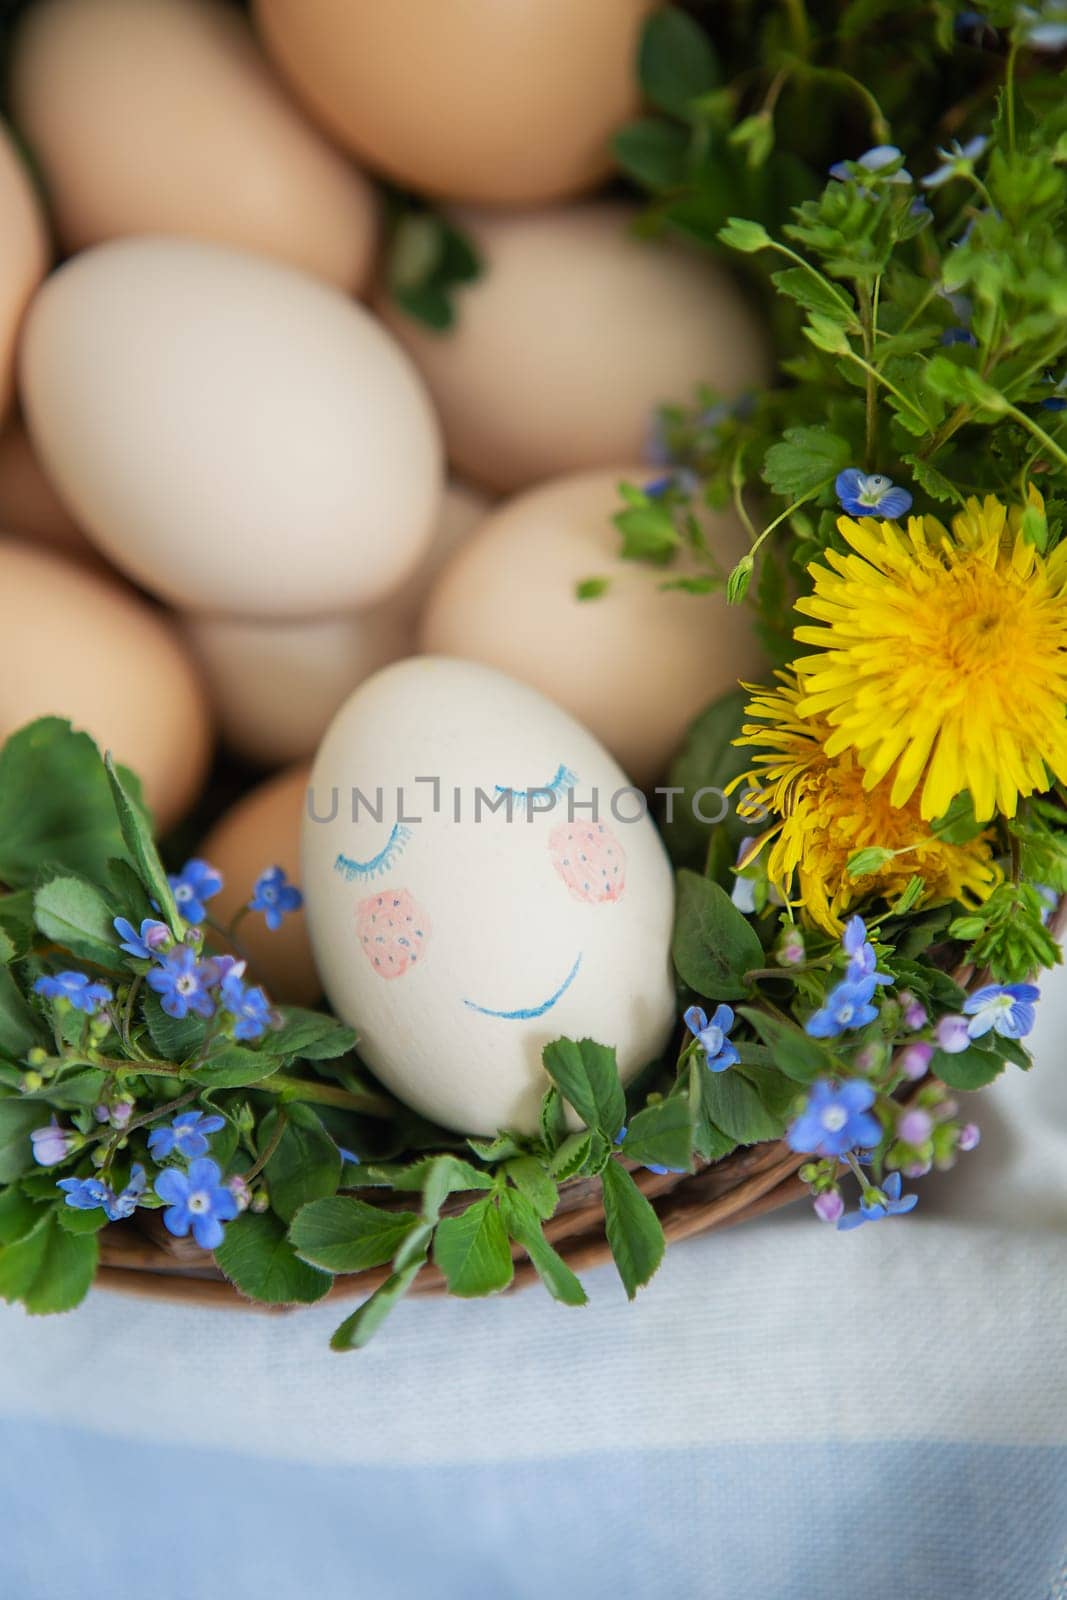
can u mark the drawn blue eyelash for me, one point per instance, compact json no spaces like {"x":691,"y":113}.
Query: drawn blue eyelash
{"x":364,"y":871}
{"x":565,"y":779}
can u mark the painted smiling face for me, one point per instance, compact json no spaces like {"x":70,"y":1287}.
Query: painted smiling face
{"x":461,"y":925}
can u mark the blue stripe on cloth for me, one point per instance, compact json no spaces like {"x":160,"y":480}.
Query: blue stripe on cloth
{"x":84,"y":1517}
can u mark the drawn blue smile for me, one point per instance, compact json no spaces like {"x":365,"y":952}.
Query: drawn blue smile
{"x":526,"y":1012}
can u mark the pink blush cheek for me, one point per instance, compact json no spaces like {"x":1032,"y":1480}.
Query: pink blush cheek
{"x":590,"y":860}
{"x":392,"y":931}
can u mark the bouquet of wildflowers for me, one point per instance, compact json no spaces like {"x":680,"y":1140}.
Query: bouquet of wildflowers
{"x":859,"y":939}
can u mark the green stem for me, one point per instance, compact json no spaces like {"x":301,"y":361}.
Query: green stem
{"x":1043,"y":438}
{"x":844,"y":80}
{"x":1009,"y":92}
{"x":881,"y":378}
{"x":275,"y":1140}
{"x":328,"y":1094}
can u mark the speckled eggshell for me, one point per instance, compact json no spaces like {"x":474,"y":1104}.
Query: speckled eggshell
{"x":160,"y":116}
{"x":87,"y":648}
{"x":575,"y":333}
{"x":263,"y":830}
{"x":459,"y":949}
{"x":471,"y":99}
{"x":24,"y":256}
{"x":635,"y":664}
{"x":235,"y":435}
{"x":29,"y":506}
{"x":276,"y":684}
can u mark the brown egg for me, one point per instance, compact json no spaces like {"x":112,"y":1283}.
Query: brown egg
{"x":86,"y":647}
{"x":30,"y":506}
{"x":160,"y":116}
{"x":24,"y":255}
{"x":263,"y":830}
{"x":501,"y":104}
{"x":275,"y":683}
{"x":634,"y":665}
{"x":574,"y":335}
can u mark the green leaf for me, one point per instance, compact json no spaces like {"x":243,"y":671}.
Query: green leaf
{"x":55,"y":806}
{"x":633,"y":1228}
{"x":970,"y":1069}
{"x":19,"y":1027}
{"x":259,"y":1261}
{"x":472,"y":1250}
{"x":230,"y":1066}
{"x":714,"y":946}
{"x":792,"y":1051}
{"x":748,"y":237}
{"x":863,"y":862}
{"x":128,"y":892}
{"x":958,"y":825}
{"x":18,"y":1119}
{"x":532,"y":1181}
{"x":707,"y":764}
{"x":937,"y":486}
{"x":572,"y":1155}
{"x":524,"y":1226}
{"x":16,"y":920}
{"x":359,"y":1329}
{"x":305,"y":1165}
{"x":137,"y":834}
{"x":174,"y":1037}
{"x":675,"y":61}
{"x":733,"y":1104}
{"x":661,"y":1135}
{"x":648,"y":533}
{"x":48,"y":1269}
{"x":804,"y":460}
{"x":311,"y":1035}
{"x":591,"y":588}
{"x":436,"y":1178}
{"x":19,"y":1215}
{"x":553,"y":1118}
{"x":73,"y":1221}
{"x":654,"y":152}
{"x":347,"y":1235}
{"x":814,"y":293}
{"x":587,"y":1076}
{"x":74,"y":914}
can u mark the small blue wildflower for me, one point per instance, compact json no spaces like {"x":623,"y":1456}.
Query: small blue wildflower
{"x":197,"y":1200}
{"x":1045,"y":29}
{"x":847,"y":1006}
{"x":718,"y":1051}
{"x":275,"y":896}
{"x":195,"y":883}
{"x":864,"y":494}
{"x":952,"y":159}
{"x":144,"y":945}
{"x":187,"y":1135}
{"x":877,"y":1203}
{"x":77,"y":988}
{"x":653,"y":1166}
{"x":350,"y":1155}
{"x":1006,"y":1008}
{"x":862,"y":961}
{"x":876,"y":160}
{"x":836,"y":1119}
{"x":682,"y":479}
{"x":958,"y":336}
{"x":85,"y":1194}
{"x":1057,"y":400}
{"x":743,"y":894}
{"x":120,"y":1206}
{"x":51,"y":1144}
{"x":183,"y":983}
{"x":249,"y":1007}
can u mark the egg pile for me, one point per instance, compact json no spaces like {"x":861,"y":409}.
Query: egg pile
{"x":237,"y":479}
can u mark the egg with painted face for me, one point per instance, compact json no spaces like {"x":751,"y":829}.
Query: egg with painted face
{"x":480,"y":879}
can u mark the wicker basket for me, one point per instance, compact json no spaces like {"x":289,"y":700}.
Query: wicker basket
{"x":140,"y":1257}
{"x":145,"y":1260}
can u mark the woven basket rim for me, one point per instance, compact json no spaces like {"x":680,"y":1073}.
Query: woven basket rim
{"x":139,"y":1257}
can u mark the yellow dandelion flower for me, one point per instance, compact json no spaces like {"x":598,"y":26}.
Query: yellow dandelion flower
{"x":824,"y":812}
{"x":942,"y":657}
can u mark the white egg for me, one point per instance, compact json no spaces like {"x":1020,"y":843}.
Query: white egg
{"x":233,"y":434}
{"x":459,"y":940}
